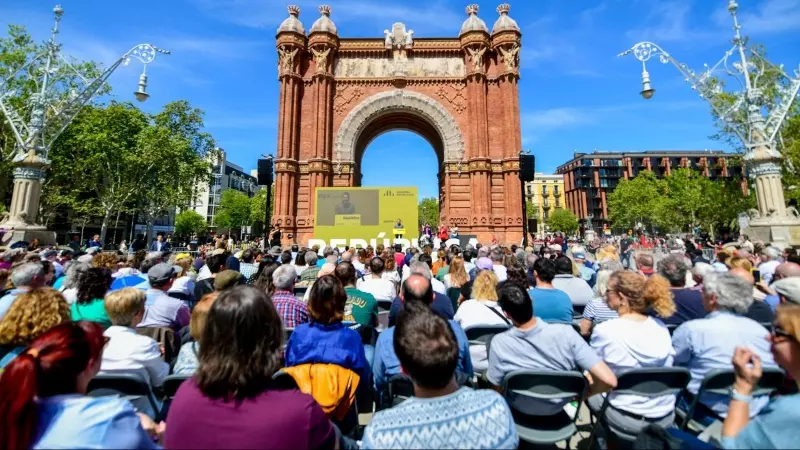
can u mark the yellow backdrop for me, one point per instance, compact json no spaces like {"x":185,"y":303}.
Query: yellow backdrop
{"x":364,"y":213}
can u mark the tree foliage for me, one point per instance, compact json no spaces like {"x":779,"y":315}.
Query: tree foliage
{"x":682,"y":201}
{"x":189,"y":222}
{"x":258,"y":206}
{"x":563,"y":220}
{"x":234,"y":210}
{"x":531,"y":211}
{"x":428,"y":211}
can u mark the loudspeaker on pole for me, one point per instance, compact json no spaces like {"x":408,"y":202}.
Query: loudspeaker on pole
{"x":527,"y":167}
{"x":265,"y":172}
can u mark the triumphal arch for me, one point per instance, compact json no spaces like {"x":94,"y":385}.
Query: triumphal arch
{"x":337,"y":94}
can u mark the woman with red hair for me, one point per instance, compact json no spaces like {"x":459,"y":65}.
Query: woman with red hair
{"x":43,"y":402}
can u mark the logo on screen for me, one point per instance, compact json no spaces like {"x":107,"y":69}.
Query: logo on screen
{"x":388,"y":193}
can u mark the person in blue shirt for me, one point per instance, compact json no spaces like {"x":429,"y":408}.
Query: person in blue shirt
{"x":95,"y":242}
{"x":44,"y":402}
{"x":551,"y":304}
{"x":776,"y":425}
{"x":416,"y":288}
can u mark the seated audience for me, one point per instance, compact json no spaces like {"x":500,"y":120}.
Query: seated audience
{"x":89,"y":305}
{"x":551,"y":303}
{"x":705,"y":345}
{"x":635,"y":341}
{"x":442,"y":304}
{"x":32,"y":314}
{"x":441,"y":414}
{"x":310,"y":274}
{"x":597,"y":310}
{"x":758,"y":310}
{"x":586,"y":273}
{"x":326,"y":340}
{"x":415,"y":288}
{"x":161,"y":310}
{"x":25,"y":277}
{"x":292,"y":311}
{"x":576,"y":288}
{"x":228,"y":279}
{"x":231,"y":401}
{"x":533,"y":344}
{"x":361,"y":307}
{"x":214,"y":264}
{"x":374,"y":283}
{"x":786,"y":270}
{"x":248,"y":268}
{"x":128,"y":351}
{"x":688,"y":303}
{"x":438,"y":286}
{"x":264,"y":277}
{"x":787,"y":290}
{"x":644,"y":264}
{"x":776,"y":425}
{"x":300,"y":263}
{"x":187,"y":361}
{"x":44,"y":403}
{"x":483,"y":310}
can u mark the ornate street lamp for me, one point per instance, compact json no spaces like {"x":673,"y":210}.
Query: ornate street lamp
{"x":36,"y":131}
{"x":773,"y":222}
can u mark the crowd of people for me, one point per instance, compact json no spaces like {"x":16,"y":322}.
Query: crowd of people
{"x":284,"y":347}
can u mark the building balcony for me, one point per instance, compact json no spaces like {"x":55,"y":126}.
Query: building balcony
{"x":545,"y":194}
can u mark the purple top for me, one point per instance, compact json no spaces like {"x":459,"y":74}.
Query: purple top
{"x":273,"y":419}
{"x":161,"y":310}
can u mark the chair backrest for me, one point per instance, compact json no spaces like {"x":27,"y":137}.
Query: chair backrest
{"x":283,"y":380}
{"x":545,"y":384}
{"x":400,"y":388}
{"x":653,"y":381}
{"x":720,"y":381}
{"x":125,"y":384}
{"x":300,"y":290}
{"x":172,"y":383}
{"x":482,"y":334}
{"x":384,"y":305}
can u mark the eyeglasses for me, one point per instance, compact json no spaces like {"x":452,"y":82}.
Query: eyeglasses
{"x":777,"y":331}
{"x":105,"y":341}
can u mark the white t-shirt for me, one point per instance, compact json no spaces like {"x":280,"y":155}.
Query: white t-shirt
{"x":472,"y":313}
{"x":501,"y":272}
{"x":438,"y":286}
{"x":359,"y":266}
{"x":380,"y":288}
{"x":626,"y":344}
{"x":391,"y":275}
{"x":767,"y":270}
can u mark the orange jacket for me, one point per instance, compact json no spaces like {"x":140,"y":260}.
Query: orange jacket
{"x":332,"y":386}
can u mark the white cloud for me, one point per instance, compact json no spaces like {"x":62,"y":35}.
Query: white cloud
{"x":669,"y":21}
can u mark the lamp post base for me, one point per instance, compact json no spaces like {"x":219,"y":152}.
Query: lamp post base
{"x":781,"y":232}
{"x":27,"y":235}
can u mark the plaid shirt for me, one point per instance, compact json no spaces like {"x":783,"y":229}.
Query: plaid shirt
{"x":293,"y":312}
{"x":248,"y":271}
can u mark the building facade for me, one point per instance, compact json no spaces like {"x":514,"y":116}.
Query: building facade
{"x":225,"y":175}
{"x":590,"y":177}
{"x":545,"y":192}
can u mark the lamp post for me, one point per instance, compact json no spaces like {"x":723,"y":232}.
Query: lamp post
{"x":36,"y":131}
{"x":758,"y":131}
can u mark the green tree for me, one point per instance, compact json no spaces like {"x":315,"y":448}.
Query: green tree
{"x":531,"y":211}
{"x":428,"y":212}
{"x":182,"y":152}
{"x":638,"y":200}
{"x":234,"y":210}
{"x":99,"y":160}
{"x":189,"y":222}
{"x":563,"y":220}
{"x":258,"y":206}
{"x":17,"y":49}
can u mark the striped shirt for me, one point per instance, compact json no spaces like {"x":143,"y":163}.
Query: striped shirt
{"x":293,"y":311}
{"x":597,"y":311}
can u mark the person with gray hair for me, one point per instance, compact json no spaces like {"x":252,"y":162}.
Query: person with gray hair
{"x":500,"y":270}
{"x":770,"y":258}
{"x":708,"y":344}
{"x":423,"y":269}
{"x":74,"y":272}
{"x":25,"y":277}
{"x":310,"y":274}
{"x":483,"y":252}
{"x":688,"y":303}
{"x":292,"y":310}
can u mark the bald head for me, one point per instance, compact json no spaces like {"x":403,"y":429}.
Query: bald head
{"x":743,"y":274}
{"x":417,"y":288}
{"x":787,"y":270}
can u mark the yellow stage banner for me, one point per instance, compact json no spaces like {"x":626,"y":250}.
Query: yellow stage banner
{"x":365,"y":213}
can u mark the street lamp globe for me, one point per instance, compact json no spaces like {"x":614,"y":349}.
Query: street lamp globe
{"x":647,"y":89}
{"x":141,"y":94}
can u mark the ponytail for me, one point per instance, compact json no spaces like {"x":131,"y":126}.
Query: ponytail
{"x":656,"y":295}
{"x":49,"y":366}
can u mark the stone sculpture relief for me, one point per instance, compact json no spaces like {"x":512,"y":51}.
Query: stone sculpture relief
{"x":417,"y":66}
{"x":321,"y":59}
{"x":476,"y":55}
{"x":286,"y":59}
{"x":510,"y":57}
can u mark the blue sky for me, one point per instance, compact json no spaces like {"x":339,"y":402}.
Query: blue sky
{"x":575,"y":94}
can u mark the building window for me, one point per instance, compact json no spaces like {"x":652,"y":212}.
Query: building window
{"x":529,"y":190}
{"x":544,"y":190}
{"x":555,"y":189}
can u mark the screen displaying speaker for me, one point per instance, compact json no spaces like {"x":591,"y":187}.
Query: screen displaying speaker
{"x":264,"y":171}
{"x":527,"y":167}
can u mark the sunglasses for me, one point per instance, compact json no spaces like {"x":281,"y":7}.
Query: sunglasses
{"x":777,"y":331}
{"x":105,"y":341}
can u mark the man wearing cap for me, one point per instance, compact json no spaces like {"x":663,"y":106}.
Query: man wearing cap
{"x":161,"y":310}
{"x":587,"y":274}
{"x":52,"y":256}
{"x":788,"y":290}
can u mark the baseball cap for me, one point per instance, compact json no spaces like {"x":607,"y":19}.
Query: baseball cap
{"x":227,"y":279}
{"x":788,"y":288}
{"x":579,"y":255}
{"x":484,"y":263}
{"x":160,"y":273}
{"x":275,"y":251}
